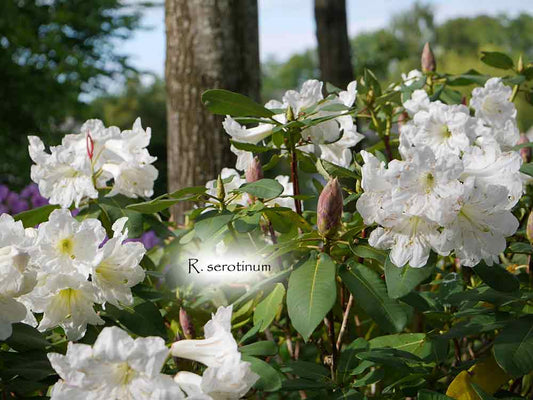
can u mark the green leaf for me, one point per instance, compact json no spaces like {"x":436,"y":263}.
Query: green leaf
{"x":497,"y":277}
{"x":254,"y":148}
{"x":263,"y":188}
{"x":262,"y":348}
{"x":415,"y":343}
{"x":527,"y":169}
{"x":188,"y":191}
{"x":309,"y":370}
{"x":401,"y":281}
{"x":366,"y":251}
{"x":207,"y":227}
{"x":497,"y":60}
{"x":35,"y":216}
{"x":303,"y":384}
{"x":327,"y":170}
{"x":143,"y":320}
{"x":370,"y":293}
{"x":425,"y":394}
{"x":521,"y":247}
{"x":224,"y":102}
{"x":26,"y":337}
{"x":116,"y":207}
{"x":270,"y":379}
{"x":267,"y":309}
{"x":513,"y":347}
{"x":311,"y":294}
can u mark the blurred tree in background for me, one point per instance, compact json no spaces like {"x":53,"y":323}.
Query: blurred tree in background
{"x":51,"y":53}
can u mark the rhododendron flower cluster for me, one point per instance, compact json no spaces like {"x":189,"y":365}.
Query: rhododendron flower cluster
{"x":119,"y":367}
{"x":330,"y":140}
{"x":62,"y":269}
{"x":455,"y":185}
{"x":90,"y":160}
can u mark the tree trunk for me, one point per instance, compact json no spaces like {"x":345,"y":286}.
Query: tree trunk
{"x":333,"y":44}
{"x":210,"y":44}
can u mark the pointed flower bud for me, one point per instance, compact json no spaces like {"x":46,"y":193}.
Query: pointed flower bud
{"x":186,"y":324}
{"x":329,"y":210}
{"x":529,"y":228}
{"x":520,"y":64}
{"x":427,"y":61}
{"x":525,"y":152}
{"x":289,"y":114}
{"x":221,"y":193}
{"x":254,"y":171}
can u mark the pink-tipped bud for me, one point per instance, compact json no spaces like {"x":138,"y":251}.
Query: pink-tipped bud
{"x":525,"y":152}
{"x":90,"y":146}
{"x":254,"y":171}
{"x":529,"y":227}
{"x":329,"y":209}
{"x":186,"y":324}
{"x":427,"y":61}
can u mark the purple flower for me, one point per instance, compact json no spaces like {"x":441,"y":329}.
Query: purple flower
{"x":148,"y":239}
{"x":4,"y":191}
{"x":3,"y":209}
{"x":30,"y":191}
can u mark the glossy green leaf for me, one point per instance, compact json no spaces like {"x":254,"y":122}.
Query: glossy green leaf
{"x":263,"y":188}
{"x":401,"y":281}
{"x":35,"y":216}
{"x":311,"y":294}
{"x":207,"y":227}
{"x":370,"y":293}
{"x":497,"y":60}
{"x":513,"y":347}
{"x":261,"y":348}
{"x":224,"y":102}
{"x":267,"y":309}
{"x":497,"y":277}
{"x":270,"y":379}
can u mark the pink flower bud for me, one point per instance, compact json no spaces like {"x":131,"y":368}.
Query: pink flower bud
{"x":329,"y":210}
{"x":254,"y":171}
{"x":186,"y":324}
{"x":90,"y":146}
{"x":427,"y":61}
{"x":525,"y":152}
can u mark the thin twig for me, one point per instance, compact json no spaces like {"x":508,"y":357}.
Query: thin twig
{"x":344,"y":321}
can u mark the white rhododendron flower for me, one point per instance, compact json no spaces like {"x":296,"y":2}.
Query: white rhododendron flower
{"x":65,"y":245}
{"x":447,"y":130}
{"x":117,"y":268}
{"x":493,"y":106}
{"x":427,"y":186}
{"x":230,"y":381}
{"x":227,"y":376}
{"x":240,"y":133}
{"x":17,"y":277}
{"x":244,"y":158}
{"x":66,"y":301}
{"x":74,"y":171}
{"x":482,"y":224}
{"x":75,"y":271}
{"x":456,"y":184}
{"x":410,"y":239}
{"x":64,"y":176}
{"x":116,"y":367}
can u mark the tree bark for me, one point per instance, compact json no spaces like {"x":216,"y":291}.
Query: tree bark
{"x":334,"y":53}
{"x":210,"y":44}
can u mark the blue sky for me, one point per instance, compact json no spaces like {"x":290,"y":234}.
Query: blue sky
{"x":287,"y":26}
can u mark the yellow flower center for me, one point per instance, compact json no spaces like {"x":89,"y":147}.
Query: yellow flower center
{"x":66,"y":246}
